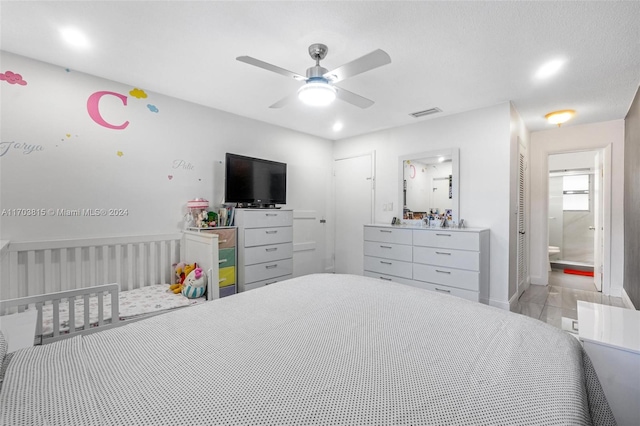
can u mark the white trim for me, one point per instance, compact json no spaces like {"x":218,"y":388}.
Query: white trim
{"x":498,"y":304}
{"x":606,"y":187}
{"x":626,"y":300}
{"x":455,"y":172}
{"x":373,"y":179}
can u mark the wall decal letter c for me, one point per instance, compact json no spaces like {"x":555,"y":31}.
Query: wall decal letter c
{"x":94,"y":110}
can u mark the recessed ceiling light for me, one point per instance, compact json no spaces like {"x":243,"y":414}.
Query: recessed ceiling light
{"x":74,"y":37}
{"x":549,"y":69}
{"x":337,"y":126}
{"x":560,"y":117}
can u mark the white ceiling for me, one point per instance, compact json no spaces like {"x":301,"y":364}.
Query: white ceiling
{"x":457,"y":56}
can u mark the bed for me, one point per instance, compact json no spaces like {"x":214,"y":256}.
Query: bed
{"x":318,"y":349}
{"x":90,"y":301}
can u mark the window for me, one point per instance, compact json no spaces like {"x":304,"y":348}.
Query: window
{"x":575,"y":193}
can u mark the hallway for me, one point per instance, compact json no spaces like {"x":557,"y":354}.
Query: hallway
{"x":560,"y":298}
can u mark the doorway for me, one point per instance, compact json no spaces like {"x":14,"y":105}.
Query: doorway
{"x":575,"y":218}
{"x":354,"y":185}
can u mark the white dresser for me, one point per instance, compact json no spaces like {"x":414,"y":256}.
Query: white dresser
{"x":452,"y":261}
{"x":611,"y":337}
{"x":265,"y":246}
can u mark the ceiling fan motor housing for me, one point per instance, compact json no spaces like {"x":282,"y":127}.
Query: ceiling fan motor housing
{"x":316,"y":72}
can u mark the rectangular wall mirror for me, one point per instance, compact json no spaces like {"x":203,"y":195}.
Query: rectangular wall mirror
{"x":428,"y":185}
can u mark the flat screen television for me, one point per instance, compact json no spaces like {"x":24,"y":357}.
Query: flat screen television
{"x":254,"y":182}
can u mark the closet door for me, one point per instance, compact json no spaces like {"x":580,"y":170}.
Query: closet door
{"x":522,"y":223}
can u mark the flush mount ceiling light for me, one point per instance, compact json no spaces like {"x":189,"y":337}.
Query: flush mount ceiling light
{"x":549,"y":69}
{"x":74,"y":37}
{"x":560,"y":117}
{"x":337,"y":126}
{"x":317,"y":92}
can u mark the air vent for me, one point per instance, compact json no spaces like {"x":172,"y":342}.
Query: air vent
{"x":426,"y":112}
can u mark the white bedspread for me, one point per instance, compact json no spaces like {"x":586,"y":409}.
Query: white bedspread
{"x":320,"y":349}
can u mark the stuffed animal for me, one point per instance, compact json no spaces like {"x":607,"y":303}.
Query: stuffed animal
{"x":182,"y":271}
{"x":195,"y":284}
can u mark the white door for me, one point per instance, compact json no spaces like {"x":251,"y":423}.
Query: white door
{"x":598,"y":224}
{"x":354,"y":198}
{"x":522,"y":223}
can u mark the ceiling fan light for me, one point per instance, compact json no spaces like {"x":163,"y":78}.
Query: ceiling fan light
{"x":560,"y":117}
{"x":316,"y":93}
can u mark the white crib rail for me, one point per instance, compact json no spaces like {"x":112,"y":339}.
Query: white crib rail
{"x":36,"y":302}
{"x":39,"y":267}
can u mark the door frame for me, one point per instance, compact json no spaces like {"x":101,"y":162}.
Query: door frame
{"x":606,"y":213}
{"x":338,"y":210}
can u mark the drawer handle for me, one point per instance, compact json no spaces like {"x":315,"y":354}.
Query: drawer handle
{"x":221,"y":280}
{"x":385,"y":247}
{"x":271,"y":266}
{"x":443,"y":252}
{"x":222,"y":261}
{"x":443,"y":235}
{"x":271,"y":232}
{"x":271,"y":249}
{"x":222,"y":241}
{"x":272,"y":282}
{"x":443,"y":272}
{"x":386,"y":263}
{"x":271,"y":214}
{"x":442,"y":290}
{"x":386,"y":279}
{"x":385,"y":230}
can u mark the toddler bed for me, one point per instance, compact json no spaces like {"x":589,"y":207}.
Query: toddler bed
{"x":87,"y":309}
{"x":314,"y":350}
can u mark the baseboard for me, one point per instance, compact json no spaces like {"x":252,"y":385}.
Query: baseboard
{"x":626,"y":300}
{"x":514,"y":299}
{"x":499,"y":304}
{"x":539,"y":280}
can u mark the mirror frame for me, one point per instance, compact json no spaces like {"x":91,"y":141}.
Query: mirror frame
{"x":455,"y":173}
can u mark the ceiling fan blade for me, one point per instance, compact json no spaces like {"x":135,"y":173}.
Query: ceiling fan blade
{"x":285,"y":101}
{"x":352,"y":98}
{"x":372,"y":60}
{"x":261,"y":64}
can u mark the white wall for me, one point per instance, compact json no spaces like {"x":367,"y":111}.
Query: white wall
{"x":483,"y":137}
{"x":167,"y":158}
{"x":566,"y":139}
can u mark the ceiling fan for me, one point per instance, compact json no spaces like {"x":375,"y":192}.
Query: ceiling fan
{"x":319,"y":88}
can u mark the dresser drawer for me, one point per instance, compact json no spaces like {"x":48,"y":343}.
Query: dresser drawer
{"x":459,"y":278}
{"x":460,"y":259}
{"x":386,"y":277}
{"x":227,"y":276}
{"x":263,"y":283}
{"x":229,"y":290}
{"x":267,"y":218}
{"x":388,"y":266}
{"x":226,"y":237}
{"x":387,"y":235}
{"x":465,"y":294}
{"x":265,"y":236}
{"x":447,"y":239}
{"x":226,"y":257}
{"x":261,"y":254}
{"x":264,"y":271}
{"x":388,"y":250}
